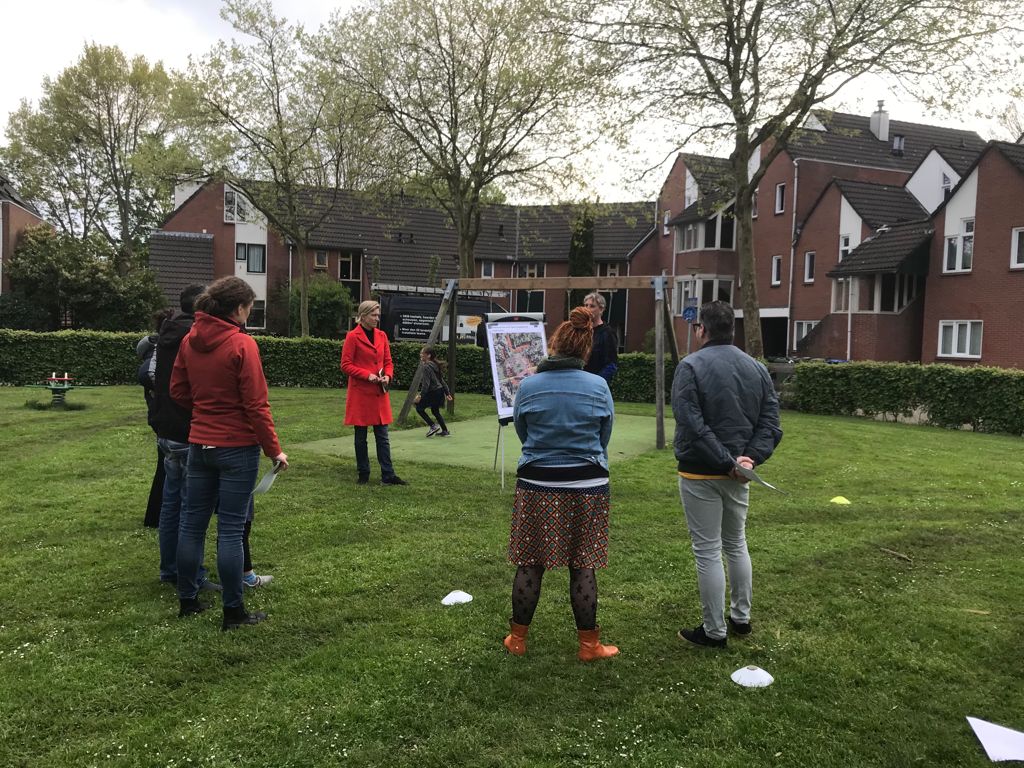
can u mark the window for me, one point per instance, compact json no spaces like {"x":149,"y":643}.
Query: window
{"x":960,"y":338}
{"x":690,"y":237}
{"x":253,"y":254}
{"x":320,"y":260}
{"x":780,"y":198}
{"x":501,"y":231}
{"x":704,"y":289}
{"x":899,"y":143}
{"x":800,"y":329}
{"x":776,"y":270}
{"x":753,"y":204}
{"x":947,"y":186}
{"x":235,"y":207}
{"x":348,"y":267}
{"x":1017,"y":248}
{"x":258,"y":315}
{"x":486,"y":269}
{"x":610,"y":269}
{"x":844,"y":246}
{"x":530,"y":269}
{"x":960,"y":249}
{"x":665,"y":229}
{"x":809,"y":267}
{"x":841,"y":294}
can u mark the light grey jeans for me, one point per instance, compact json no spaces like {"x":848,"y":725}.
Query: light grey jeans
{"x":716,"y":514}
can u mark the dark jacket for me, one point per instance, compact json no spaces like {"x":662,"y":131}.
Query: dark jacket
{"x":725,"y":406}
{"x":604,"y":355}
{"x":146,"y":350}
{"x":432,"y":379}
{"x":171,"y":420}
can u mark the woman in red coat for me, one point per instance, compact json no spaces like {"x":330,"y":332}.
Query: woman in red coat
{"x":366,"y":360}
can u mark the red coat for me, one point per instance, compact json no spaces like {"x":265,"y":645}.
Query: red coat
{"x":219,"y":377}
{"x":366,"y":405}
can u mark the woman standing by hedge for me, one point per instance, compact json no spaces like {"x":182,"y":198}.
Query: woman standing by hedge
{"x":563,"y":416}
{"x":366,"y":361}
{"x":218,"y":374}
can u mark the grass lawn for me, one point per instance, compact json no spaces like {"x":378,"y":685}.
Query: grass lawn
{"x":885,"y":622}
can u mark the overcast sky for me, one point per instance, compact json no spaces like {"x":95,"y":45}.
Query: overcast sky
{"x":44,"y":37}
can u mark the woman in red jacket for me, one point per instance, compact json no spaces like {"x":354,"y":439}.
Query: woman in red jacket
{"x":218,"y":375}
{"x":366,"y":360}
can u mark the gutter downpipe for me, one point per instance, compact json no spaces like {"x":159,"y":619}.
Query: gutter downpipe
{"x":792,"y":253}
{"x":849,"y":316}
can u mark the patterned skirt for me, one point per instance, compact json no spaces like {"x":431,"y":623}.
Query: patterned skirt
{"x":558,"y":527}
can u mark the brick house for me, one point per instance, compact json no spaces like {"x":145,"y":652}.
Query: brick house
{"x":16,"y":215}
{"x":800,"y":182}
{"x":394,"y":246}
{"x":974,"y":294}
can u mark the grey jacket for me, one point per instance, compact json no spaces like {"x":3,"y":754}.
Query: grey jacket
{"x":725,"y":406}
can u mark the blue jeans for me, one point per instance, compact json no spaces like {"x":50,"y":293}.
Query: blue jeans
{"x":380,"y":437}
{"x":221,"y":478}
{"x":175,"y":481}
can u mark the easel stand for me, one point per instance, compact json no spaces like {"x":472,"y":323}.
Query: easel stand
{"x":501,"y":444}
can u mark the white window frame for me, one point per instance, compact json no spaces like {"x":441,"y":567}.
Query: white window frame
{"x":841,"y":287}
{"x":609,"y":269}
{"x":959,"y":249}
{"x":753,"y":204}
{"x":258,"y":305}
{"x":801,"y":328}
{"x":687,"y":287}
{"x":487,"y":269}
{"x":320,"y":260}
{"x":665,"y":228}
{"x":236,"y":209}
{"x":691,"y":238}
{"x":353,"y":260}
{"x":844,"y":246}
{"x":960,"y":338}
{"x":527,"y":269}
{"x":776,"y":270}
{"x":780,"y":197}
{"x":946,"y":186}
{"x":809,"y":267}
{"x":250,"y":249}
{"x":1017,"y":248}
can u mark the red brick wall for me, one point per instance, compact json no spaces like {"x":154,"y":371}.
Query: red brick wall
{"x":991,"y":291}
{"x":204,"y":212}
{"x":812,"y":301}
{"x":885,"y":337}
{"x":15,"y":221}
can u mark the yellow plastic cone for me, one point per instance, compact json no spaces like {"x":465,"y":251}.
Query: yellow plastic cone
{"x":840,"y":500}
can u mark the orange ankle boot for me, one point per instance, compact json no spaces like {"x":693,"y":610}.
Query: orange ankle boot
{"x":590,"y":645}
{"x":516,"y":642}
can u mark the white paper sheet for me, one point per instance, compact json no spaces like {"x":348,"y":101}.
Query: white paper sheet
{"x":753,"y":476}
{"x":1000,"y":743}
{"x":455,"y":597}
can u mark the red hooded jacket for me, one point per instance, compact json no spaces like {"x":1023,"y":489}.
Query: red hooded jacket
{"x":219,"y":376}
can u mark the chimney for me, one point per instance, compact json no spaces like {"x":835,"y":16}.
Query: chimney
{"x":880,"y":122}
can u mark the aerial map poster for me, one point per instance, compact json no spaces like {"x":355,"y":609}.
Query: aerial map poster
{"x":515,"y":350}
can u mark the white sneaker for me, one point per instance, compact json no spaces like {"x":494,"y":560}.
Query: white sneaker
{"x":255,"y":580}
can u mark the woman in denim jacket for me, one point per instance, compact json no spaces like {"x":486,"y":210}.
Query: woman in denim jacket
{"x":563,"y":417}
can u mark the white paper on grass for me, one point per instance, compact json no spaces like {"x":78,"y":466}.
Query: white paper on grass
{"x":752,"y":677}
{"x":455,"y":597}
{"x":1000,"y":743}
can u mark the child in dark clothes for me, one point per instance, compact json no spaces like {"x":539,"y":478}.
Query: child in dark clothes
{"x":433,"y":392}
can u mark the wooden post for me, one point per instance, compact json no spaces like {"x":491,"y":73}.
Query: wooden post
{"x":658,"y":283}
{"x":453,"y":326}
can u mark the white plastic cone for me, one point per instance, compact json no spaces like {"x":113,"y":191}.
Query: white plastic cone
{"x":752,"y":677}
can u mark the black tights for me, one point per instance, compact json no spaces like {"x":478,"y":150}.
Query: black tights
{"x":582,"y":595}
{"x":421,"y":409}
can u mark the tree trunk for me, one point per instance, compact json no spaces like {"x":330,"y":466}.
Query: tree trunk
{"x":303,"y":294}
{"x":753,"y":343}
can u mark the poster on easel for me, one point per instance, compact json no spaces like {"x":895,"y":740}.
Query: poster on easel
{"x":515,"y":350}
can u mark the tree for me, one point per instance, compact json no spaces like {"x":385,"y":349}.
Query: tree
{"x":750,"y":71}
{"x":98,"y":155}
{"x":581,"y":254}
{"x":330,"y":307}
{"x":480,"y":93}
{"x":279,"y":128}
{"x":74,"y":283}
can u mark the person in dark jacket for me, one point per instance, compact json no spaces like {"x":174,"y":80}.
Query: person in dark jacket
{"x":171,"y":423}
{"x":218,"y":376}
{"x":727,"y":414}
{"x":146,"y":351}
{"x":433,"y":392}
{"x":604,"y":357}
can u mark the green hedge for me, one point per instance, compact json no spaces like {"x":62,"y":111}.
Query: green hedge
{"x":986,"y":399}
{"x":97,"y":357}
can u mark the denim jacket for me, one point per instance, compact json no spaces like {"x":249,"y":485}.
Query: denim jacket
{"x":563,"y":415}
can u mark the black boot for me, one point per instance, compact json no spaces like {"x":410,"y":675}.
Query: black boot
{"x":239,"y":617}
{"x":190,"y":607}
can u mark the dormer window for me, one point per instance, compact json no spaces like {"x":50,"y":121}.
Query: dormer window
{"x":501,"y":231}
{"x":898,"y":144}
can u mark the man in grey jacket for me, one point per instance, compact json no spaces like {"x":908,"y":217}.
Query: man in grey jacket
{"x":727,"y":414}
